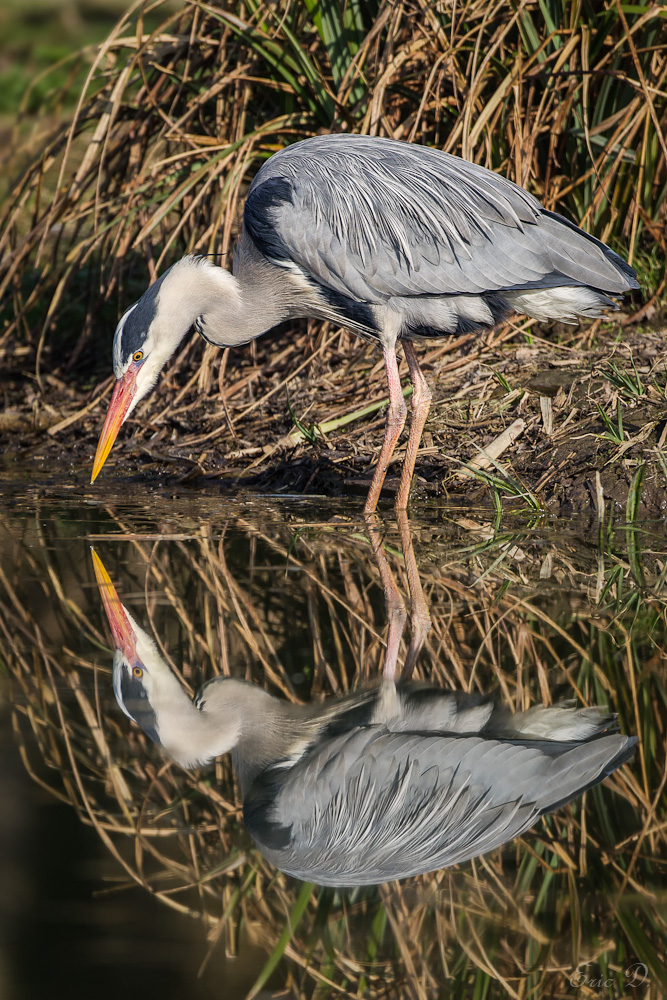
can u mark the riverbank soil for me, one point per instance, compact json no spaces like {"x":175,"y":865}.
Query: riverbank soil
{"x":587,"y":409}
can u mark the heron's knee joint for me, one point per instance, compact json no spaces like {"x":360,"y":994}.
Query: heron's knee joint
{"x":421,"y":397}
{"x":397,"y":414}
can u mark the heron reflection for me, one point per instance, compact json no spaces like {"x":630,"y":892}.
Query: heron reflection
{"x":381,"y":784}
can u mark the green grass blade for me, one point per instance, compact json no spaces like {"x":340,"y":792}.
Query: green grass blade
{"x":293,"y":920}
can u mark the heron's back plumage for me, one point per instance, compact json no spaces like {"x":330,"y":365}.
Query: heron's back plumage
{"x":446,"y":778}
{"x":380,"y":222}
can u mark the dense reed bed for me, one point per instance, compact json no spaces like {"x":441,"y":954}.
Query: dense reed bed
{"x":182,"y":104}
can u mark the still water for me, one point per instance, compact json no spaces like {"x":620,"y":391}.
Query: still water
{"x":122,"y":870}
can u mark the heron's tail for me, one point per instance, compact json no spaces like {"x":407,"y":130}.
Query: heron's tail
{"x":561,"y":723}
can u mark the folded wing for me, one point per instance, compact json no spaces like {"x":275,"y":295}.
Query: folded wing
{"x":374,"y":805}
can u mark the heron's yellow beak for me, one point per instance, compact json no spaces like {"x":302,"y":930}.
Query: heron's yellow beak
{"x":123,"y":394}
{"x":121,"y":629}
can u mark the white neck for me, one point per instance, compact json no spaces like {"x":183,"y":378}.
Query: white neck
{"x":225,"y":714}
{"x":193,"y":735}
{"x":226,"y":309}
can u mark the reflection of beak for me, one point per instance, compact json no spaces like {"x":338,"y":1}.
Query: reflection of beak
{"x":123,"y":394}
{"x":121,"y":629}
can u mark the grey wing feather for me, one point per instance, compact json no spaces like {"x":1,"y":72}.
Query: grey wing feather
{"x":374,"y":805}
{"x":373,"y":219}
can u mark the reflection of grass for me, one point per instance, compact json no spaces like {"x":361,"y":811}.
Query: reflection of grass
{"x":265,"y":597}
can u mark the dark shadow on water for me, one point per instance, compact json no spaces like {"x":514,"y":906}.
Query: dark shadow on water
{"x":72,"y":926}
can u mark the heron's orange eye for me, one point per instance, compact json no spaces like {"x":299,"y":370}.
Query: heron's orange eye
{"x":137,"y":671}
{"x":138,"y":355}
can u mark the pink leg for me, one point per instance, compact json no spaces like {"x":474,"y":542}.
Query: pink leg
{"x":396,"y":614}
{"x":420,"y":618}
{"x":421,"y":404}
{"x":395,"y":423}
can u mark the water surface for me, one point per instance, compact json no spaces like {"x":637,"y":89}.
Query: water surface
{"x":286,"y":592}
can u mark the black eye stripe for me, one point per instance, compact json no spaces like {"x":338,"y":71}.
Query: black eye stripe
{"x":137,"y":705}
{"x":135,"y":328}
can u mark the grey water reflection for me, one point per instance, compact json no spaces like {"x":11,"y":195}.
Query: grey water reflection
{"x":292,"y":601}
{"x":379,"y":784}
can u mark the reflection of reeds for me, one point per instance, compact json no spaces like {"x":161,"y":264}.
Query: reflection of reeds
{"x":295,"y":603}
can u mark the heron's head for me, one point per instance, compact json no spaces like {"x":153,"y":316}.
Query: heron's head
{"x":138,"y":669}
{"x":150,"y":331}
{"x":151,"y":695}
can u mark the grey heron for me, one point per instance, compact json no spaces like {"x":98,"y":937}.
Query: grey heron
{"x":381,"y":784}
{"x":393,"y":241}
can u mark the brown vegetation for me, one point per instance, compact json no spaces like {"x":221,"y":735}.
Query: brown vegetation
{"x":175,"y":120}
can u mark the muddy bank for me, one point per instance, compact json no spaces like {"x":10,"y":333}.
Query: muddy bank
{"x":291,"y":415}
